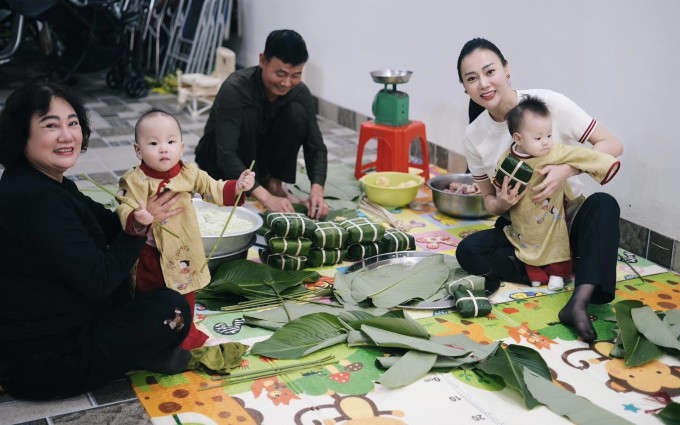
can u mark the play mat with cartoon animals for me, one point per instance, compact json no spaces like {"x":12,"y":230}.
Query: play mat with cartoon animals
{"x":345,"y":391}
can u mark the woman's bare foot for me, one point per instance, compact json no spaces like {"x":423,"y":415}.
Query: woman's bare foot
{"x":575,"y":313}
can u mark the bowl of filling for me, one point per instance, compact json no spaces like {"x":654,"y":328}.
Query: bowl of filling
{"x":239,"y":235}
{"x":391,"y":189}
{"x":457,"y":195}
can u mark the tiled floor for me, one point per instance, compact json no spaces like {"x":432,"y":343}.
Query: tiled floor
{"x":113,"y":116}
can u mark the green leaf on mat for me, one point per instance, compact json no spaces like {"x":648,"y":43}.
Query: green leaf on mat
{"x":302,"y":336}
{"x":255,"y":281}
{"x":383,"y":338}
{"x":672,"y":320}
{"x":639,"y":350}
{"x":509,"y":363}
{"x":408,"y":327}
{"x":670,"y":414}
{"x":277,"y":317}
{"x":393,"y":284}
{"x":340,"y":183}
{"x":342,"y":289}
{"x":479,"y":351}
{"x":564,"y":403}
{"x":408,"y":369}
{"x":649,"y":325}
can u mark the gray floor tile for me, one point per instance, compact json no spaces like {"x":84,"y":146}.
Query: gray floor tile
{"x":114,"y":392}
{"x":36,"y":422}
{"x":126,"y":413}
{"x":19,"y":411}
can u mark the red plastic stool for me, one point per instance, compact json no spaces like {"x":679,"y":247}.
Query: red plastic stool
{"x":394,"y":146}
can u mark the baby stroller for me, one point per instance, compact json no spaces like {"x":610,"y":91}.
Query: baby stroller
{"x":129,"y":73}
{"x":80,"y":33}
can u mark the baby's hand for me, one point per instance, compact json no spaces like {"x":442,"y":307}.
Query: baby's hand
{"x":142,"y":216}
{"x":246,"y":181}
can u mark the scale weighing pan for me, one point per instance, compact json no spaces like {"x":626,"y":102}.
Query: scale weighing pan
{"x":391,"y":76}
{"x":404,"y":258}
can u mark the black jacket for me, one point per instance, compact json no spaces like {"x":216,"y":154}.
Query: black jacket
{"x":63,"y":257}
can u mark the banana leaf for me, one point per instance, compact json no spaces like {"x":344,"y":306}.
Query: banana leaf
{"x":408,"y":369}
{"x":480,"y":351}
{"x":617,"y":349}
{"x":509,"y":363}
{"x":350,"y":316}
{"x":275,"y":318}
{"x":442,"y":362}
{"x":580,"y":410}
{"x":302,"y":336}
{"x":672,"y":320}
{"x":358,"y":339}
{"x":407,"y":327}
{"x":342,"y":289}
{"x":394,"y":284}
{"x":252,"y":281}
{"x":383,"y":338}
{"x":649,"y":325}
{"x":340,"y":183}
{"x":639,"y":350}
{"x":670,"y":414}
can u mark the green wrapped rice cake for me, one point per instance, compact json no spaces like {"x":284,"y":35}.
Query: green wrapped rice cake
{"x":325,"y":257}
{"x":472,"y":282}
{"x":329,"y":235}
{"x":289,"y":246}
{"x":517,"y":170}
{"x":395,"y":240}
{"x":472,"y":303}
{"x":362,"y":230}
{"x":282,"y":261}
{"x":290,"y":225}
{"x":359,"y":251}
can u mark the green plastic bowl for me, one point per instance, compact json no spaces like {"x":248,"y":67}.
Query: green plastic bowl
{"x":390,"y":195}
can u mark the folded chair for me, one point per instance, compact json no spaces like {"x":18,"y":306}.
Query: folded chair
{"x":197,"y":91}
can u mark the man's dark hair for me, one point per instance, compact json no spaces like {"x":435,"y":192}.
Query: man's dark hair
{"x":21,"y":105}
{"x":515,"y":116}
{"x":154,"y":111}
{"x":287,"y":45}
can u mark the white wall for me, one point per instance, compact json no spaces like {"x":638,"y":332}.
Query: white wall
{"x":618,"y":59}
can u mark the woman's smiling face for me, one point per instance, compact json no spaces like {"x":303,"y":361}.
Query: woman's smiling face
{"x":485,"y":78}
{"x":55,"y":139}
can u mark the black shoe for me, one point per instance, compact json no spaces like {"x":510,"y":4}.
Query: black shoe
{"x":491,"y":285}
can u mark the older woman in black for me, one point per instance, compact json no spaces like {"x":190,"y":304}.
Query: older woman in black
{"x":67,"y":321}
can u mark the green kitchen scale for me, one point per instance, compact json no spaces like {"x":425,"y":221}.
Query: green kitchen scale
{"x":390,"y":106}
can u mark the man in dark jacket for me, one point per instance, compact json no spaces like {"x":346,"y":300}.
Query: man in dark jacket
{"x":266,"y":113}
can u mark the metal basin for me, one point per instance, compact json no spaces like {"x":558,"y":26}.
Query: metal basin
{"x":216,"y":262}
{"x":231,"y":242}
{"x":453,"y":204}
{"x":391,"y":76}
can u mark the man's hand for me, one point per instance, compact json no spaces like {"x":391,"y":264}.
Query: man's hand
{"x":317,"y":208}
{"x":272,"y":203}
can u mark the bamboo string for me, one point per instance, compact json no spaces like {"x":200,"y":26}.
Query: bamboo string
{"x":249,"y":376}
{"x":378,"y":211}
{"x":231,"y":213}
{"x":124,"y":201}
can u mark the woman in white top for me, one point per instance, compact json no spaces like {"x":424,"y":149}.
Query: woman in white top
{"x":594,"y":222}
